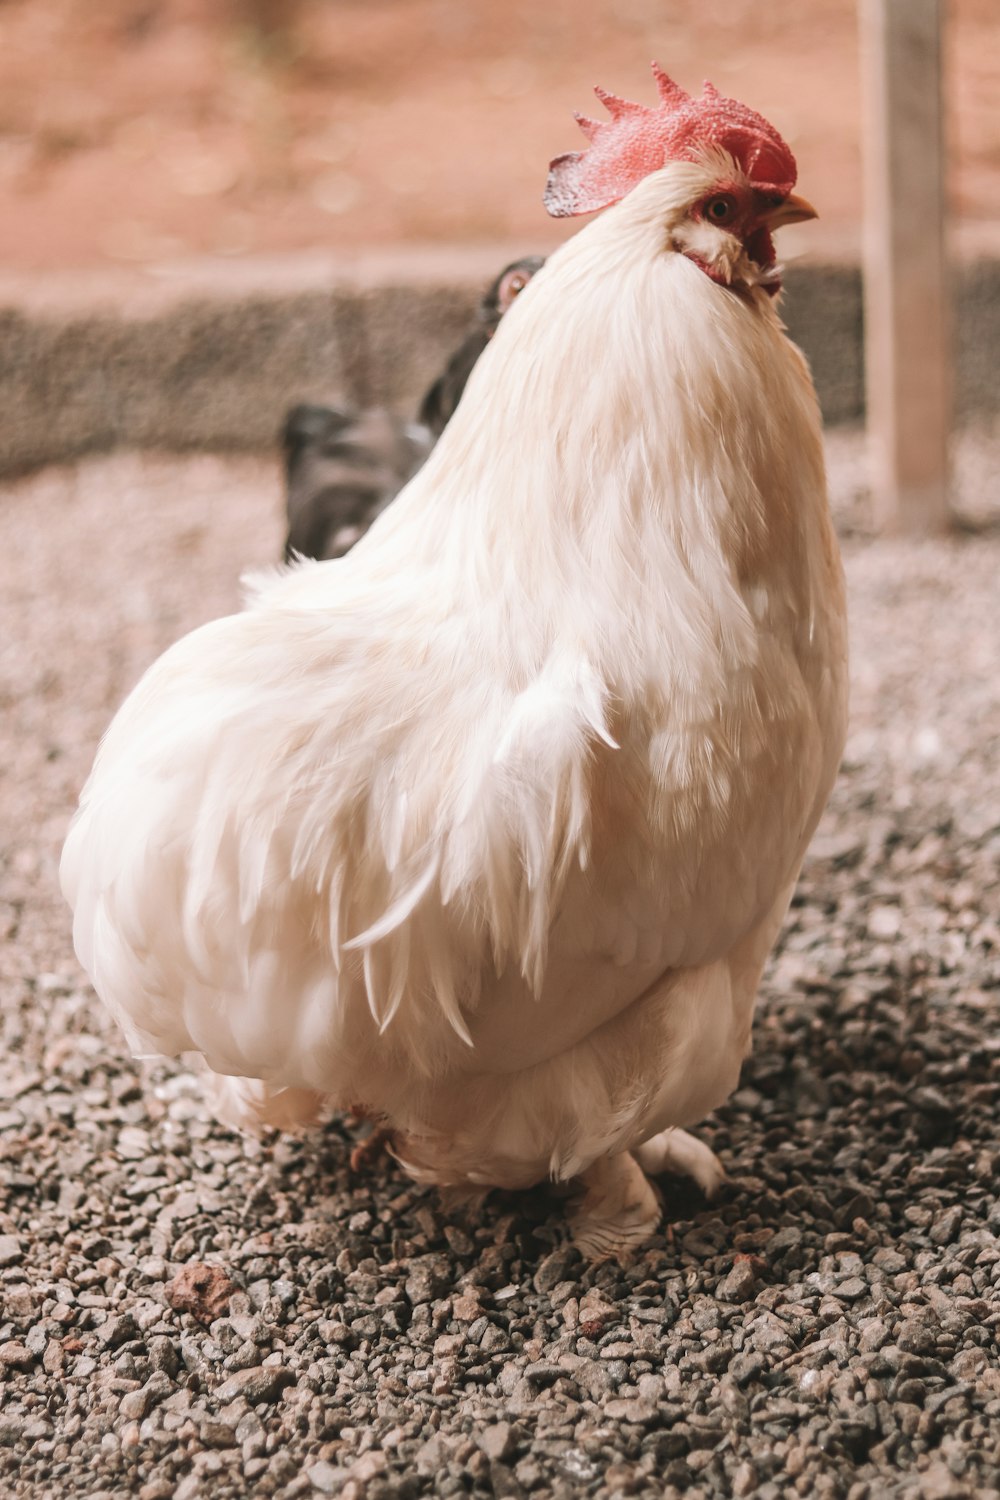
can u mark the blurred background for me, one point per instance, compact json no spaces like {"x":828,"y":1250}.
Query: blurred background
{"x":142,"y":130}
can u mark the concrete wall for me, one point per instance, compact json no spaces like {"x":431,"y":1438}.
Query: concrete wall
{"x":198,"y":362}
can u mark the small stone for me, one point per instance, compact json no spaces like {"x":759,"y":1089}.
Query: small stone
{"x":157,"y":1489}
{"x":365,"y":1468}
{"x":746,"y":1367}
{"x":946,"y":1227}
{"x":428,"y":1279}
{"x":873,"y":1335}
{"x":202,"y":1290}
{"x":259,"y":1383}
{"x":11,"y":1253}
{"x":915,"y":1337}
{"x":596,"y":1314}
{"x":497,"y":1442}
{"x":890,"y":1261}
{"x":20,"y":1305}
{"x":578,"y":1467}
{"x":327,"y":1479}
{"x":163,"y":1355}
{"x":467,"y":1307}
{"x":744,"y":1481}
{"x":884,"y":922}
{"x":133,"y":1143}
{"x":431,"y":1457}
{"x":120,"y":1330}
{"x":553,"y":1269}
{"x":768,"y":1333}
{"x":529,"y":1473}
{"x":217,"y":1435}
{"x":137,"y":1405}
{"x":594,"y":1378}
{"x":15,"y":1356}
{"x":458,"y":1241}
{"x":97,"y":1247}
{"x":932,"y":1102}
{"x":739,"y":1285}
{"x":627,"y":1410}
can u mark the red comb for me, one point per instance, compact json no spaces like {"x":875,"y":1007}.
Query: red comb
{"x":637,"y":141}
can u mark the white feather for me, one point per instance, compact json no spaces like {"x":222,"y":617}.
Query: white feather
{"x":491,"y":824}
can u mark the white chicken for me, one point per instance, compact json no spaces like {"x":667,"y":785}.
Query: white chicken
{"x":490,"y":825}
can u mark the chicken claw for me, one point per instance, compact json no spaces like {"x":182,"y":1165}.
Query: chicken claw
{"x":621,"y":1207}
{"x":684,"y":1155}
{"x":619,"y":1210}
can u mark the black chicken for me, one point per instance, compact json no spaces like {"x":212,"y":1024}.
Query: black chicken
{"x":442,"y":398}
{"x":343,"y":467}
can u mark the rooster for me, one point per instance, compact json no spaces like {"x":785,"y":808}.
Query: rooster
{"x":342,"y":468}
{"x":489,"y":826}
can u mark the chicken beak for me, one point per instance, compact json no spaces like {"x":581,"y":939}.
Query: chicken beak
{"x":793,"y":210}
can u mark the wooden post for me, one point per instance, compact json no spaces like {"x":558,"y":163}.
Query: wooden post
{"x":907,"y":319}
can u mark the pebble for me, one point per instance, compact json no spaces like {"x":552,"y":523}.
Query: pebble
{"x":204,"y":1291}
{"x":11,"y":1253}
{"x":553,"y":1268}
{"x":327,"y":1479}
{"x":884,"y":922}
{"x":428,"y":1278}
{"x":135,"y":1405}
{"x":118,"y":1330}
{"x":739,"y":1285}
{"x":11,"y":1431}
{"x":258,"y":1383}
{"x":497,"y":1441}
{"x":15,"y":1356}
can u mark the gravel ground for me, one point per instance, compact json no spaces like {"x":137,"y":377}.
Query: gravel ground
{"x":189,"y":1313}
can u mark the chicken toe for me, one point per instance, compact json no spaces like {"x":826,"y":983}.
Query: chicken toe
{"x":676,"y":1151}
{"x":619,"y":1210}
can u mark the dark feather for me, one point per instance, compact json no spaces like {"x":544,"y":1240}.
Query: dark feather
{"x":343,"y":467}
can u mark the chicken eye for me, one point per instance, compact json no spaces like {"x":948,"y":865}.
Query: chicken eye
{"x":720,"y":209}
{"x":509,"y":288}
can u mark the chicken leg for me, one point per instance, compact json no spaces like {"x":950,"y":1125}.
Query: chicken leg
{"x":621,"y":1208}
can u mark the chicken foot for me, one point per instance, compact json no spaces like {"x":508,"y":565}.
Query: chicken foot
{"x":685,"y":1156}
{"x":621,"y":1208}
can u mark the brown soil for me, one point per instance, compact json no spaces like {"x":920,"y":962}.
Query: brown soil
{"x":144,"y":129}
